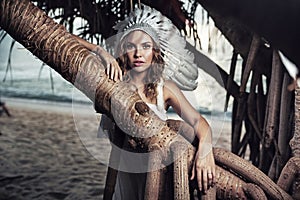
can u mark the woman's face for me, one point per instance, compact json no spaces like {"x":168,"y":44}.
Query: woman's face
{"x":139,"y":50}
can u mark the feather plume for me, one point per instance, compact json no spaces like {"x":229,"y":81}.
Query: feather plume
{"x":179,"y":62}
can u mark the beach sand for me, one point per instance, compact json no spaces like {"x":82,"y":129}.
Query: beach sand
{"x":42,"y":155}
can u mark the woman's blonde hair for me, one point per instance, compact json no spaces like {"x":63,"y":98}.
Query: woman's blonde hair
{"x":155,"y":71}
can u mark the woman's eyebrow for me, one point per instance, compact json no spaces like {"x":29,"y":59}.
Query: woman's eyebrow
{"x":148,"y":42}
{"x":143,"y":43}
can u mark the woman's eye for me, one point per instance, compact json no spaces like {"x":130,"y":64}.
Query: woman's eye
{"x":147,"y":46}
{"x":129,"y":46}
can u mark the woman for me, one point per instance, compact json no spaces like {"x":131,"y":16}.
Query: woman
{"x":142,"y":64}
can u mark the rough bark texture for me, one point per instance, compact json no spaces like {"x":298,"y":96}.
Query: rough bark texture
{"x":154,"y":177}
{"x":181,"y":167}
{"x":295,"y":141}
{"x":276,"y":21}
{"x":289,"y":173}
{"x":250,"y":173}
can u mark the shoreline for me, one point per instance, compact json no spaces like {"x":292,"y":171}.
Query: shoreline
{"x":45,"y":105}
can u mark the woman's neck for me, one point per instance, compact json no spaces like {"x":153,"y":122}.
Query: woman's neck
{"x":138,"y":79}
{"x":137,"y":82}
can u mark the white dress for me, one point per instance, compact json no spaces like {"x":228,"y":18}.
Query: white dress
{"x":131,"y":186}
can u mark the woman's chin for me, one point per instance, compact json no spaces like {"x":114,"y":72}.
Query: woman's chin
{"x":140,"y":68}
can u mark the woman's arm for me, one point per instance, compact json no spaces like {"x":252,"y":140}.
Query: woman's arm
{"x":204,"y":165}
{"x":86,"y":44}
{"x":112,"y":67}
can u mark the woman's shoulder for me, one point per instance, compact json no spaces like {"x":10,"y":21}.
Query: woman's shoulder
{"x":171,"y":89}
{"x":170,"y":84}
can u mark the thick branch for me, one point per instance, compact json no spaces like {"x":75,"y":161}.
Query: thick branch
{"x":275,"y":20}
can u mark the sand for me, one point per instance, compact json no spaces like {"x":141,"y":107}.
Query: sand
{"x":43,"y":154}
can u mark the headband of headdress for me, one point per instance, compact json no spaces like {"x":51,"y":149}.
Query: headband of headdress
{"x":179,"y":62}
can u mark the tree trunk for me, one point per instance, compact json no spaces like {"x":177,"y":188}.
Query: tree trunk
{"x":295,"y":141}
{"x":51,"y":43}
{"x":277,"y":21}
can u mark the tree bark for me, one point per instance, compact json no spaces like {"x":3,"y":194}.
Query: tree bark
{"x":275,"y":20}
{"x":295,"y":141}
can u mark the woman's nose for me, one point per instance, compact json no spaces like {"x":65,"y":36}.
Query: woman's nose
{"x":138,"y":52}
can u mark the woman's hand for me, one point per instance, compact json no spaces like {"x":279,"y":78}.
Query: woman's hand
{"x":113,"y":69}
{"x":204,"y":167}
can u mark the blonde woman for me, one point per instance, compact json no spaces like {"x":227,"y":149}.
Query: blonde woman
{"x":141,"y":53}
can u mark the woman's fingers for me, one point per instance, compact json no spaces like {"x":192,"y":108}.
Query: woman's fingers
{"x":114,"y":71}
{"x":108,"y":70}
{"x":120,"y":73}
{"x":205,"y":176}
{"x":210,"y":177}
{"x":193,"y":172}
{"x":200,"y":181}
{"x":204,"y":181}
{"x":214,"y":177}
{"x":204,"y":170}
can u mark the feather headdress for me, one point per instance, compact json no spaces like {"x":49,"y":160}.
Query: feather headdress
{"x":179,"y":62}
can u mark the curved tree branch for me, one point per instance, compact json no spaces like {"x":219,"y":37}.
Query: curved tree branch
{"x":275,"y":20}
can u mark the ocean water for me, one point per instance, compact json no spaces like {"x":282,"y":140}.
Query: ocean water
{"x":27,"y":78}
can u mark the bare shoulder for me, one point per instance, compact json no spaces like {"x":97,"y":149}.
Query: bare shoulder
{"x":170,"y":85}
{"x":171,"y":89}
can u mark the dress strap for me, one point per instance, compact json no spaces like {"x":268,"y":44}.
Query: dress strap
{"x":160,"y":96}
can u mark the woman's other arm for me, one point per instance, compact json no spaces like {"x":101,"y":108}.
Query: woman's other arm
{"x":204,"y":164}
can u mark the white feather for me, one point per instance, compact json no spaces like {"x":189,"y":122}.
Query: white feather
{"x":180,"y":66}
{"x":291,"y":67}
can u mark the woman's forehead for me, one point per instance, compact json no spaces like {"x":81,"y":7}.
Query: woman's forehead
{"x":138,"y":37}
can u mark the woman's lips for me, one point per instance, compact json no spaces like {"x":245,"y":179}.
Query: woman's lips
{"x":138,"y":63}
